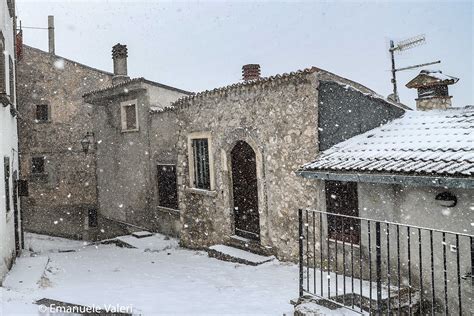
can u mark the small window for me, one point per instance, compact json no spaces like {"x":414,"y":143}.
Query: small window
{"x":42,"y":113}
{"x":37,"y":165}
{"x":167,"y":186}
{"x":201,"y":163}
{"x":93,"y":220}
{"x":129,"y":117}
{"x":6,"y":172}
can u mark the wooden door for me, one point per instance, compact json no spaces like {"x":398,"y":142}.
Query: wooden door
{"x":245,"y":191}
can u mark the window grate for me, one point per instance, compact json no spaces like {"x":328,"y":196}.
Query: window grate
{"x":201,"y":164}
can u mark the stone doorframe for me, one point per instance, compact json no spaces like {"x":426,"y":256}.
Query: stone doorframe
{"x":227,"y":144}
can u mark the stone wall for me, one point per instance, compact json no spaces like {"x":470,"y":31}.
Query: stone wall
{"x":279,"y":121}
{"x":435,"y":103}
{"x":126,"y":161}
{"x":59,"y":199}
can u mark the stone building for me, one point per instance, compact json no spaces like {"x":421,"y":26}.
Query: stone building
{"x":10,"y":217}
{"x":126,"y":159}
{"x":55,"y":120}
{"x":237,"y":148}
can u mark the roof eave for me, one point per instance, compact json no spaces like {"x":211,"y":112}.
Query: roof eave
{"x":386,"y":178}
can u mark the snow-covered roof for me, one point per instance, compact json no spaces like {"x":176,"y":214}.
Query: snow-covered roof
{"x":436,"y":142}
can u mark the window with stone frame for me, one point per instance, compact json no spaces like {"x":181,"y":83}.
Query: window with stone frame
{"x":3,"y":78}
{"x":37,"y":165}
{"x":129,"y":116}
{"x":202,"y":177}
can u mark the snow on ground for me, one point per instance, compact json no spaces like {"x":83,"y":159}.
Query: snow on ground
{"x":154,"y":279}
{"x":42,"y":243}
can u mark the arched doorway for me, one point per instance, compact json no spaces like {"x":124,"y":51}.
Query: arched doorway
{"x":245,"y":191}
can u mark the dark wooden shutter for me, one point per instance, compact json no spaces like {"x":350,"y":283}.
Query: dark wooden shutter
{"x":11,"y":8}
{"x":167,"y":186}
{"x":2,"y":65}
{"x":93,"y":218}
{"x":131,"y":117}
{"x":341,"y":198}
{"x":6,"y":170}
{"x":201,"y":163}
{"x":12,"y":80}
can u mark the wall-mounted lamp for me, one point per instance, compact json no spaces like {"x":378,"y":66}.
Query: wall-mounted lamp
{"x":446,"y":199}
{"x":87,"y":141}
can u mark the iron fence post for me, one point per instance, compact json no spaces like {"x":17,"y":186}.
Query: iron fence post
{"x":300,"y":237}
{"x":378,"y":262}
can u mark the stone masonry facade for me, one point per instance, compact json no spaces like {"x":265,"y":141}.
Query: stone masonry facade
{"x":280,"y":118}
{"x":61,"y":196}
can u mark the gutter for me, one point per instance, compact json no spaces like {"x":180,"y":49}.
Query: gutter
{"x":433,"y":181}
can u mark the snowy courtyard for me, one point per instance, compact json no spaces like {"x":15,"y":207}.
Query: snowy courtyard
{"x":157,"y":277}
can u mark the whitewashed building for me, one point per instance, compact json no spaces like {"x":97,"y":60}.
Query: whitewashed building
{"x":10,"y":219}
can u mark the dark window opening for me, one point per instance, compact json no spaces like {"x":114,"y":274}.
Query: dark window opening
{"x":167,"y":186}
{"x":23,"y":188}
{"x":341,"y":198}
{"x":6,"y":172}
{"x":37,"y":165}
{"x":130,"y":117}
{"x":201,"y":164}
{"x":93,"y":218}
{"x":42,"y":112}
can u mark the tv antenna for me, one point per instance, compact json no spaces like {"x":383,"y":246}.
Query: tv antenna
{"x":401,"y":46}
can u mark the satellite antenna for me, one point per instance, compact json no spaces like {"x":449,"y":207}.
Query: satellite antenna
{"x":401,"y":46}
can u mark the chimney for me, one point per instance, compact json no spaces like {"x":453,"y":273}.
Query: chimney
{"x":51,"y":34}
{"x":432,"y":86}
{"x":119,"y":56}
{"x":250,"y":72}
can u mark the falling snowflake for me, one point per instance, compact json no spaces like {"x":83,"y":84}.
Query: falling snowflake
{"x":59,"y":64}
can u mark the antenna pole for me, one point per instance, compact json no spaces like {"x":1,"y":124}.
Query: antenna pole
{"x":394,"y":71}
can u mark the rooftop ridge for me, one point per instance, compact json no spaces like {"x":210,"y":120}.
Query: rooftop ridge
{"x":132,"y":80}
{"x":67,"y":59}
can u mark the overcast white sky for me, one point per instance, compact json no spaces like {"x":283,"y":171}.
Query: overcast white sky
{"x":202,"y":45}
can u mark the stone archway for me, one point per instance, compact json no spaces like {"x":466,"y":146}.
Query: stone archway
{"x":245,"y":191}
